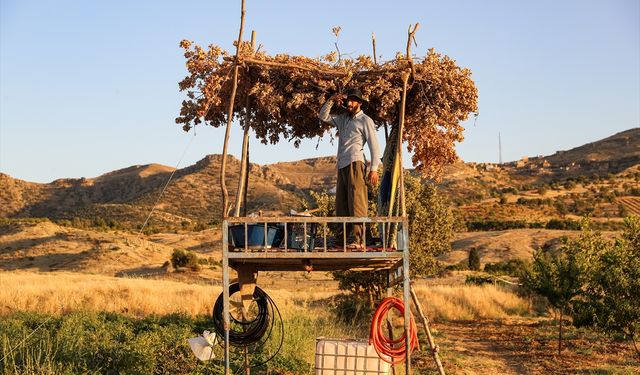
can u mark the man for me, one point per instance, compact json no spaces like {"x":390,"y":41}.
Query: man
{"x":354,"y":130}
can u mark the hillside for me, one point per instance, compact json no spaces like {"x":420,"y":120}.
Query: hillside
{"x":612,"y":154}
{"x":600,"y":178}
{"x":126,"y":196}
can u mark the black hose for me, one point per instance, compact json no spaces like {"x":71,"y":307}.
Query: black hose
{"x":254,"y":333}
{"x":250,"y":332}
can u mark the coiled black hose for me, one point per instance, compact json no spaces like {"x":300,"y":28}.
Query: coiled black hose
{"x":250,"y":331}
{"x":250,"y":334}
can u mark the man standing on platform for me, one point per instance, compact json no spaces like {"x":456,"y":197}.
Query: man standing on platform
{"x":354,"y":130}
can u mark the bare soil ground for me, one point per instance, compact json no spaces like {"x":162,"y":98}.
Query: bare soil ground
{"x":525,"y":346}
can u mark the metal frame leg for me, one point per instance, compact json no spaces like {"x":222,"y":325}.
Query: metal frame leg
{"x":407,"y":297}
{"x":225,"y":294}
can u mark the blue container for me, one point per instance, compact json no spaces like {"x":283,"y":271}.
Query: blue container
{"x":296,"y":239}
{"x":255,"y":235}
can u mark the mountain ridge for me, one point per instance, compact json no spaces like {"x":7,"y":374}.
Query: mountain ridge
{"x":128,"y":194}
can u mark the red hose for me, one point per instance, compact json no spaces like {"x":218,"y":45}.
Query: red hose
{"x":386,"y":347}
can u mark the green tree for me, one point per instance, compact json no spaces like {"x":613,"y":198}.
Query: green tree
{"x":474,"y":259}
{"x":611,"y":298}
{"x":431,"y":224}
{"x":556,"y":276}
{"x":430,"y":234}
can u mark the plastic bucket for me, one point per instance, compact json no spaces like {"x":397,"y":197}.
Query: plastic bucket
{"x":255,"y":236}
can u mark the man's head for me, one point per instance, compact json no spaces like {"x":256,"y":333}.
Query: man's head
{"x":354,"y":101}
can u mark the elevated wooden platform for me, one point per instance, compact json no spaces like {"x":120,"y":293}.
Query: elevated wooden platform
{"x":316,"y":261}
{"x":312,"y":252}
{"x":264,"y":257}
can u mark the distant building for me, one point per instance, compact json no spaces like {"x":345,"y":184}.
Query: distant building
{"x":522,"y":162}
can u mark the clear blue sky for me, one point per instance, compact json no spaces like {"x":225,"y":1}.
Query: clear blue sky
{"x":87,"y":87}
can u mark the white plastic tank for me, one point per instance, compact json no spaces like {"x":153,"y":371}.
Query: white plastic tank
{"x":348,"y":357}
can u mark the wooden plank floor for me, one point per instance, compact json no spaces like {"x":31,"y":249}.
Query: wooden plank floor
{"x":316,"y":260}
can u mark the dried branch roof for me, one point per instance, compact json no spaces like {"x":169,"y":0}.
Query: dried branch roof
{"x":285,"y":94}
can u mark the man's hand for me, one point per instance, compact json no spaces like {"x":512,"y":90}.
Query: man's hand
{"x":337,"y":97}
{"x":373,"y":178}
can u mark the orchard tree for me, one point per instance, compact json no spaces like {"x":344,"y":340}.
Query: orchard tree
{"x":611,"y":298}
{"x":430,"y":225}
{"x":556,"y":276}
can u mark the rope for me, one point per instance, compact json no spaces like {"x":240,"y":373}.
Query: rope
{"x":160,"y":196}
{"x":394,"y":350}
{"x":26,"y":338}
{"x":165,"y":186}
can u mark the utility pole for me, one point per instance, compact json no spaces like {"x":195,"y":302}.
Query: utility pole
{"x":499,"y":149}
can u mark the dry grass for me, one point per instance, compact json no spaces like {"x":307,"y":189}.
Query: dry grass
{"x":470,"y":302}
{"x":58,"y":292}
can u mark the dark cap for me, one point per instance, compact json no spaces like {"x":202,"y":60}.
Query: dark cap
{"x":356,"y":93}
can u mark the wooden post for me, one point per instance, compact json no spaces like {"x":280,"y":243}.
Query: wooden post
{"x":244,"y":165}
{"x":375,"y":61}
{"x":403,"y":208}
{"x":405,"y":79}
{"x":373,"y":41}
{"x":389,"y":325}
{"x":427,"y":331}
{"x":223,"y":167}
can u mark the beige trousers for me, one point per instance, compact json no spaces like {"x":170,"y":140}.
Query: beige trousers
{"x":351,"y":200}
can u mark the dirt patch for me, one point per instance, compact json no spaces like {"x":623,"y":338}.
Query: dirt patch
{"x":525,"y":346}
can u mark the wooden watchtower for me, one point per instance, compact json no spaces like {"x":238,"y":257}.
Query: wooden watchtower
{"x":442,"y":96}
{"x":247,"y":261}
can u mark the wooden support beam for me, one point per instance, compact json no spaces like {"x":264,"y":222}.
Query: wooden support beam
{"x":244,"y":162}
{"x":427,"y":331}
{"x":234,"y":88}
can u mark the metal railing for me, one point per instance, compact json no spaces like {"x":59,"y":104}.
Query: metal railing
{"x":280,"y":232}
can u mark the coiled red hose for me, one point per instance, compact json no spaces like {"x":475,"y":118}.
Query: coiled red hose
{"x":394,"y":349}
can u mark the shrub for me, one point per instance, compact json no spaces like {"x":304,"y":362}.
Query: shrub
{"x":563,"y":224}
{"x":474,"y":259}
{"x":556,"y":276}
{"x":486,"y":225}
{"x":184,"y":258}
{"x":462,"y":266}
{"x":478,"y":280}
{"x":108,"y":343}
{"x":611,"y":296}
{"x":513,"y":267}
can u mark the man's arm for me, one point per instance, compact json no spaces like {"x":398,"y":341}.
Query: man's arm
{"x":325,"y":112}
{"x":374,"y":149}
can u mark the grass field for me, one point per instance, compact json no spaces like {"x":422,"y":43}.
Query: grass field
{"x":61,"y":323}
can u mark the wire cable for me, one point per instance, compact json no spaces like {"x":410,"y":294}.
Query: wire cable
{"x":165,"y":187}
{"x":391,"y":351}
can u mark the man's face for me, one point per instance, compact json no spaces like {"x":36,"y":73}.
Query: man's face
{"x":353,"y":105}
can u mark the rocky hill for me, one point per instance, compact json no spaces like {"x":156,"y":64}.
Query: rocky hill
{"x":601,"y":179}
{"x":610,"y":155}
{"x":126,"y":196}
{"x":481,"y":191}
